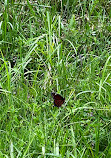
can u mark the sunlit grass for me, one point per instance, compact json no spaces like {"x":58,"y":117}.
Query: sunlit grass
{"x":55,"y":46}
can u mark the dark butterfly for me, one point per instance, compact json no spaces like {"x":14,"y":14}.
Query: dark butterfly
{"x":58,"y":99}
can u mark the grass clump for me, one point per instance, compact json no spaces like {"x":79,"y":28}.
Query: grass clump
{"x":60,"y":46}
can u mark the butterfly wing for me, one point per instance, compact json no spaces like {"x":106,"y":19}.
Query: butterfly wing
{"x":58,"y":99}
{"x":58,"y":103}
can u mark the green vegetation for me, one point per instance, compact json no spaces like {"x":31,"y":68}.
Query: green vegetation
{"x":61,"y":46}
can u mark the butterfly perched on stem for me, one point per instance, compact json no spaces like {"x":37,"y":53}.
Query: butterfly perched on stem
{"x":58,"y":99}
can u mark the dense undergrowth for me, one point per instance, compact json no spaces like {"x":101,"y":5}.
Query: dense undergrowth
{"x":55,"y":46}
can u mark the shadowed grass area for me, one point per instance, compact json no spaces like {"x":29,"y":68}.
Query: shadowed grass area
{"x":55,"y":46}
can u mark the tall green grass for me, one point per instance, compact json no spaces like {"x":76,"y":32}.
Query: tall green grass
{"x":61,"y":46}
